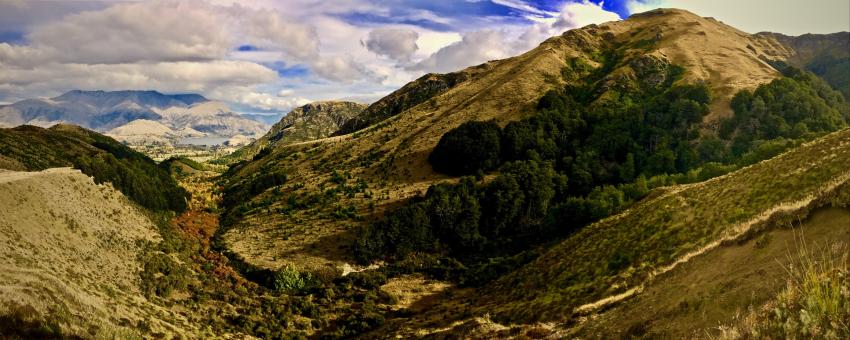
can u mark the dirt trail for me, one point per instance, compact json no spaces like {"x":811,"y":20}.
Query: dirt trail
{"x":732,"y":233}
{"x":691,"y":300}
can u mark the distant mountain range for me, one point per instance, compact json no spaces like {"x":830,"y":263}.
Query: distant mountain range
{"x":128,"y":115}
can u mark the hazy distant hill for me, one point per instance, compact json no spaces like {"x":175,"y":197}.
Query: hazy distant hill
{"x":104,"y":111}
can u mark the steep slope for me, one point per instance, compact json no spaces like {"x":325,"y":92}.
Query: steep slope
{"x":390,"y":157}
{"x":615,"y":257}
{"x":717,"y":287}
{"x":306,"y":123}
{"x":70,"y":259}
{"x":826,"y":55}
{"x":677,"y":264}
{"x":808,"y":47}
{"x":410,"y":95}
{"x":506,"y":90}
{"x":137,"y":176}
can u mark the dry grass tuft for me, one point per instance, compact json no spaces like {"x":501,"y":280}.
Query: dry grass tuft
{"x":814,"y":304}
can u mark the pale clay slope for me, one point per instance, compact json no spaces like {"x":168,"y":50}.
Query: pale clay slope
{"x":68,"y":247}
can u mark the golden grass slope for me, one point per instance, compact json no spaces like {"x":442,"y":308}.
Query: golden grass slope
{"x":720,"y":286}
{"x":671,"y":264}
{"x":305,"y":123}
{"x":69,"y":255}
{"x":614,"y":258}
{"x":391,"y":156}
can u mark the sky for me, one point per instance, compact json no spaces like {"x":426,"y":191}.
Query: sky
{"x":268,"y":56}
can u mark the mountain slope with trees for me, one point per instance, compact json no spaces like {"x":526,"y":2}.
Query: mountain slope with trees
{"x":659,"y":120}
{"x":305,"y":123}
{"x":30,"y":148}
{"x":390,"y":158}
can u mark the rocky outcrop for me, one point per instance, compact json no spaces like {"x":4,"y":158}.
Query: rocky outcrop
{"x":309,"y":122}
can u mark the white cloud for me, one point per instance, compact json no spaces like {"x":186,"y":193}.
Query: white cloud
{"x":130,"y":45}
{"x":341,"y":68}
{"x":431,"y":41}
{"x":168,"y":45}
{"x":474,"y":48}
{"x":580,"y":14}
{"x":269,"y":29}
{"x":639,"y":6}
{"x":17,"y":3}
{"x":53,"y":78}
{"x":396,"y":43}
{"x":126,"y":33}
{"x":522,"y":6}
{"x":164,"y":30}
{"x":249,"y":97}
{"x":480,"y":46}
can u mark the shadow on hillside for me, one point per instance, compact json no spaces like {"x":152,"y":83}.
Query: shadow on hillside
{"x":336,"y":247}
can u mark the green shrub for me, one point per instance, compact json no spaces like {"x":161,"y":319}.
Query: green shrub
{"x":288,"y":279}
{"x":161,"y":275}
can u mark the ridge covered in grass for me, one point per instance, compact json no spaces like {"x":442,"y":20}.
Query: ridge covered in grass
{"x":138,"y":177}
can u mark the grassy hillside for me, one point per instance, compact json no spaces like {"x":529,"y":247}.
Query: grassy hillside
{"x":388,"y":160}
{"x":134,"y":174}
{"x":410,"y":95}
{"x":612,"y":119}
{"x":778,"y":284}
{"x":585,"y":157}
{"x":826,"y":55}
{"x":601,"y":280}
{"x":306,"y":123}
{"x":618,"y":254}
{"x":70,"y":261}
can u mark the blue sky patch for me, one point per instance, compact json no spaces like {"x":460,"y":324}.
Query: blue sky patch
{"x":12,"y":37}
{"x":247,"y":48}
{"x":286,"y":71}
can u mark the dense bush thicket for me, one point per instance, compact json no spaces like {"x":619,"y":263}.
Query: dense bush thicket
{"x":582,"y":158}
{"x":796,"y":106}
{"x":468,"y":149}
{"x":572,"y":163}
{"x":834,"y":70}
{"x":98,"y":156}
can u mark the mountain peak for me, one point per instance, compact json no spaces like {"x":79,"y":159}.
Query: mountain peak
{"x":664,"y":12}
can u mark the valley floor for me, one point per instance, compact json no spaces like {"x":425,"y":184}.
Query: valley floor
{"x":65,"y":260}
